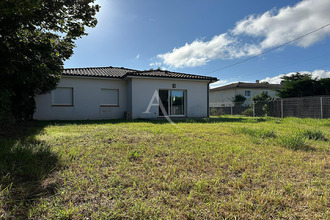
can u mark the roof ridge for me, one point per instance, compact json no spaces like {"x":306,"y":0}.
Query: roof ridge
{"x":121,"y":72}
{"x":98,"y":67}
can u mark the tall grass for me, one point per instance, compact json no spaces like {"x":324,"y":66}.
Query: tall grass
{"x":314,"y":134}
{"x":257,"y":132}
{"x":226,"y":167}
{"x":294,"y":141}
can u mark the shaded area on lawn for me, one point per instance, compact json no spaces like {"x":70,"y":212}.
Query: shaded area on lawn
{"x":24,"y":164}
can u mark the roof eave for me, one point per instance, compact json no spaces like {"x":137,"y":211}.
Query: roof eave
{"x":168,"y":77}
{"x":86,"y":76}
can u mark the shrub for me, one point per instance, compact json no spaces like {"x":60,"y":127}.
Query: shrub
{"x":248,"y":112}
{"x":261,"y":97}
{"x":215,"y":111}
{"x":238,"y":100}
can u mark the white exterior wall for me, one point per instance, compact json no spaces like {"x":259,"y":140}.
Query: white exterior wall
{"x":86,"y":100}
{"x":221,"y":98}
{"x":143,"y":90}
{"x":129,"y":95}
{"x":134,"y":96}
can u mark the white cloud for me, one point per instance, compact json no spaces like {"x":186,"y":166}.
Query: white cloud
{"x":155,"y":64}
{"x":137,"y":56}
{"x":273,"y":28}
{"x":288,"y":24}
{"x":198,"y":53}
{"x":315,"y":74}
{"x":219,"y":83}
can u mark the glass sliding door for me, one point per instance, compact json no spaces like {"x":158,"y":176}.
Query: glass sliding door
{"x":163,"y":97}
{"x":177,"y":102}
{"x":173,"y":102}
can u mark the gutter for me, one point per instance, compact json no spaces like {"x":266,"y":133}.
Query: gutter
{"x":208,"y":99}
{"x":208,"y":96}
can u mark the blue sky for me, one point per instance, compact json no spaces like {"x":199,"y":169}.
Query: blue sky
{"x":201,"y":37}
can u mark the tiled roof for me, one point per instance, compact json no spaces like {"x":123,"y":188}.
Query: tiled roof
{"x":168,"y":74}
{"x":111,"y":72}
{"x":120,"y":72}
{"x":248,"y":86}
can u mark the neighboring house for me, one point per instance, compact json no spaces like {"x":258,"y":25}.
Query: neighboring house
{"x":221,"y":96}
{"x":114,"y":93}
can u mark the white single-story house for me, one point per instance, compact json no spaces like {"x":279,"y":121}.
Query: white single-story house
{"x":115,"y":93}
{"x":221,"y":96}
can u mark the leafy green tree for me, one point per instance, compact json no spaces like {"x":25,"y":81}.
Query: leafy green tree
{"x":324,"y":88}
{"x":36,"y":37}
{"x":238,"y":100}
{"x":299,"y":85}
{"x":261,"y":97}
{"x":261,"y":104}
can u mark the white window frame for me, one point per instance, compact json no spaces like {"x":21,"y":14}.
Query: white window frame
{"x":109,"y":104}
{"x":63,"y":104}
{"x":247,"y":91}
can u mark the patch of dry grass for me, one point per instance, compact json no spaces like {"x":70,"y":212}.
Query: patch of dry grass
{"x":207,"y":169}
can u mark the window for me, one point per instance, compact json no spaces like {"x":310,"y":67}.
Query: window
{"x":247,"y":93}
{"x":173,"y":102}
{"x":62,"y":96}
{"x":109,"y":97}
{"x":267,"y":92}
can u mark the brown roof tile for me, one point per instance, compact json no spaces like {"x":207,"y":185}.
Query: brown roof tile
{"x":111,"y":72}
{"x":120,"y":72}
{"x":168,"y":74}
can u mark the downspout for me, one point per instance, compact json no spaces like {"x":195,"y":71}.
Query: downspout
{"x":208,"y":99}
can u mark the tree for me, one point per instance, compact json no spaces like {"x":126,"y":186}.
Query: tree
{"x":299,"y":85}
{"x":262,"y":97}
{"x":324,"y":88}
{"x":238,"y":100}
{"x":261,"y":104}
{"x":36,"y":37}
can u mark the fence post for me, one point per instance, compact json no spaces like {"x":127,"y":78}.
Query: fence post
{"x":282,"y":112}
{"x":231,"y":110}
{"x":254,"y":109}
{"x":321,"y":103}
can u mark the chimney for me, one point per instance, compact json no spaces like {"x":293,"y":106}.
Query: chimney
{"x":257,"y":81}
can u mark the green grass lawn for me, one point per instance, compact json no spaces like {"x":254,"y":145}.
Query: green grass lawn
{"x":227,"y":167}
